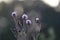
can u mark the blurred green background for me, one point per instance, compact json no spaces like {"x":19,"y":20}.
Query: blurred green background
{"x":49,"y":15}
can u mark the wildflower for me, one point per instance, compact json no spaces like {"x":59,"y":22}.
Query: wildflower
{"x":37,"y":20}
{"x":28,"y":22}
{"x":24,"y":16}
{"x":14,"y":13}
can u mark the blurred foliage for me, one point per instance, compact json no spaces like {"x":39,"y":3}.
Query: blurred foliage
{"x":8,"y":35}
{"x":51,"y":35}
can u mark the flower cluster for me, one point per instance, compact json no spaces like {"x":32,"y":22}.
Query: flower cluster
{"x":25,"y":17}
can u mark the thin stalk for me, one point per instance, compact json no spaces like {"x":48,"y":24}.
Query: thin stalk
{"x":16,"y":26}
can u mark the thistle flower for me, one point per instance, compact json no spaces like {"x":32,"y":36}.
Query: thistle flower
{"x":24,"y":16}
{"x":28,"y":22}
{"x":37,"y":20}
{"x":14,"y":13}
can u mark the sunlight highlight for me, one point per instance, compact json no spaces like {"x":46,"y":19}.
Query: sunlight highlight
{"x":52,"y":3}
{"x":6,"y":1}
